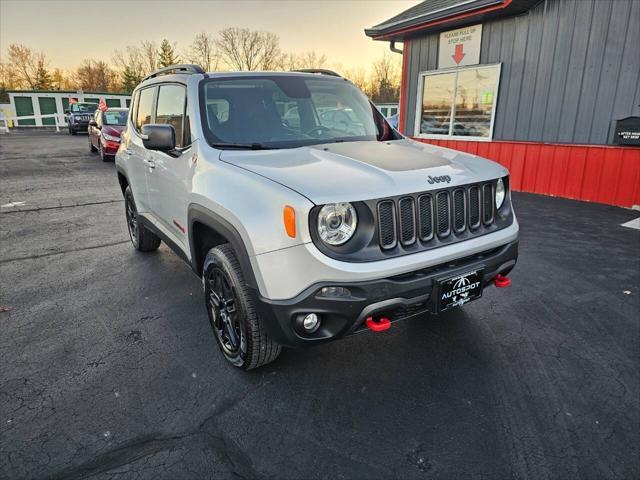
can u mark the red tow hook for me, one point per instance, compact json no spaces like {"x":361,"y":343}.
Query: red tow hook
{"x":501,"y":281}
{"x":378,"y":326}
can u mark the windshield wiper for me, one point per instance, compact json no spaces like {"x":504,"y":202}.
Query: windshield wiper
{"x":246,"y":146}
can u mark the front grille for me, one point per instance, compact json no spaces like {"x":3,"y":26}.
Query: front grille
{"x":425,"y":208}
{"x":474,"y":207}
{"x":442,"y":214}
{"x":457,"y":212}
{"x":387,"y":224}
{"x":407,"y":220}
{"x":487,"y":203}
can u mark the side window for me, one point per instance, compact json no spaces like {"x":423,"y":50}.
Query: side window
{"x":170,"y":109}
{"x":145,"y":107}
{"x":134,"y":108}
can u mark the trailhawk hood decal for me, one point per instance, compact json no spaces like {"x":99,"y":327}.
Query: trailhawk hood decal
{"x":351,"y":171}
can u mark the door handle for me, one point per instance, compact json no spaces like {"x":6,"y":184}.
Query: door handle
{"x":150,"y":163}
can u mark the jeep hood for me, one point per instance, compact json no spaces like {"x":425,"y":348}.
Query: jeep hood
{"x":351,"y":171}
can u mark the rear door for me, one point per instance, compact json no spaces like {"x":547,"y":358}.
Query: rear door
{"x":169,"y":179}
{"x":138,"y":158}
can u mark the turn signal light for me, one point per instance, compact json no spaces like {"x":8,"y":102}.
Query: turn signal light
{"x":289,"y":217}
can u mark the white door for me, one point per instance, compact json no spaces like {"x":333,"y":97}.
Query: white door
{"x":169,"y":180}
{"x":136,"y":156}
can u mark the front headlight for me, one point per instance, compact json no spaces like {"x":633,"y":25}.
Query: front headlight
{"x":501,"y":193}
{"x":110,"y":137}
{"x":337,"y":223}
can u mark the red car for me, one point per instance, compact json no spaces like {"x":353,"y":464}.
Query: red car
{"x":104,"y":131}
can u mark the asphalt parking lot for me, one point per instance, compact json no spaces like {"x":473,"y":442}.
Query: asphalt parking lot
{"x":108,"y":367}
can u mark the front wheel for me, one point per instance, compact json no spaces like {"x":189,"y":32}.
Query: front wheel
{"x":239,"y":332}
{"x":143,"y":240}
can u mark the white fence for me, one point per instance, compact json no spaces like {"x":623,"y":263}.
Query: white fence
{"x":59,"y":120}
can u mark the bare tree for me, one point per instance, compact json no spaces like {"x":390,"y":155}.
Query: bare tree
{"x":8,"y":80}
{"x":244,"y":49}
{"x":59,"y":80}
{"x":385,"y":79}
{"x":131,"y":66}
{"x":28,"y":67}
{"x":203,"y":52}
{"x":94,"y":75}
{"x":358,"y":76}
{"x":149,"y":51}
{"x":310,"y":59}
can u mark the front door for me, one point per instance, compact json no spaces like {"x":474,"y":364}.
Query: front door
{"x":167,"y":181}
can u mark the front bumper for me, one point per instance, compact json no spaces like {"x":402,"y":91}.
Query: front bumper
{"x":397,"y":297}
{"x":79,"y":126}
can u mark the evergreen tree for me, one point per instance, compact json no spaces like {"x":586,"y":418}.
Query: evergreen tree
{"x":43,"y":80}
{"x":167,"y":55}
{"x":130,"y":79}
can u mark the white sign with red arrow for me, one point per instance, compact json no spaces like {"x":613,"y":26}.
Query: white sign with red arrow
{"x":460,"y":47}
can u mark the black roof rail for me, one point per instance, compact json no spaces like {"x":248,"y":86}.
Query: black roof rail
{"x":321,"y":71}
{"x":184,"y":68}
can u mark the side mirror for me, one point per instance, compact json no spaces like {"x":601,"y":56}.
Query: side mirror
{"x":159,"y":137}
{"x":93,"y":123}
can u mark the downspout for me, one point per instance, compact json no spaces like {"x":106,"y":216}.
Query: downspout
{"x":403,"y":82}
{"x":392,"y":47}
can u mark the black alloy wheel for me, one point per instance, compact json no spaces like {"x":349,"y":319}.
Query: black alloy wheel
{"x":132,"y":220}
{"x":224,"y":308}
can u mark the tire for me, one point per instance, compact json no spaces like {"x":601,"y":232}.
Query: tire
{"x":254,"y":347}
{"x":92,"y":149}
{"x":143,"y":240}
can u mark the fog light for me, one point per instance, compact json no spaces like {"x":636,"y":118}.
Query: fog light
{"x":335,"y":292}
{"x":311,"y":322}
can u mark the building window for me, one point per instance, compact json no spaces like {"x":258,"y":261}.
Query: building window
{"x":466,"y":95}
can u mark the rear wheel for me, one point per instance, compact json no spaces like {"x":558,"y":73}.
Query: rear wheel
{"x":143,"y":240}
{"x":239,"y":332}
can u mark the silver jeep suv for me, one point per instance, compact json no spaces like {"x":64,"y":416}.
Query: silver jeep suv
{"x":306,"y":215}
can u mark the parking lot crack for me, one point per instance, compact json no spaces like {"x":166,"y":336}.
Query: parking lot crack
{"x":57,"y":207}
{"x":62,"y":252}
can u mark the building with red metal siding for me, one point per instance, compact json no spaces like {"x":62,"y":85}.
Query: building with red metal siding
{"x":548,"y":88}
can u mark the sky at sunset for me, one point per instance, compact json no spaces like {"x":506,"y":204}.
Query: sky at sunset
{"x":70,"y":31}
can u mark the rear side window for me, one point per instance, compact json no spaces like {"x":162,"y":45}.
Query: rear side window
{"x":170,"y":110}
{"x":134,"y":105}
{"x":144,"y":111}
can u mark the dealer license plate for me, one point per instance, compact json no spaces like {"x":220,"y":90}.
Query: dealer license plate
{"x":458,"y":290}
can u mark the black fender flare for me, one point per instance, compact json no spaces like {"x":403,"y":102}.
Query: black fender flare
{"x":200,"y":214}
{"x":120,"y":171}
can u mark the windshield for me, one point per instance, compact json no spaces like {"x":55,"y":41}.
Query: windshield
{"x":115,"y":117}
{"x":83,"y":107}
{"x":271,"y":111}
